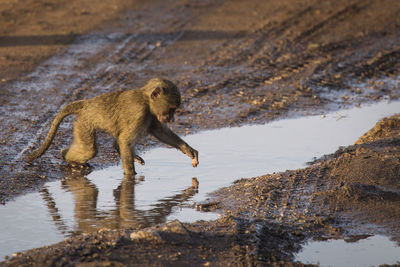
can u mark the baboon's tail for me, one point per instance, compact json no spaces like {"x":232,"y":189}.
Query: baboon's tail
{"x":65,"y":111}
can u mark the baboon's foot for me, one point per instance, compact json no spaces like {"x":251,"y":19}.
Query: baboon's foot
{"x":74,"y":164}
{"x":72,"y":156}
{"x":76,"y":168}
{"x":80,"y":167}
{"x":139,"y":160}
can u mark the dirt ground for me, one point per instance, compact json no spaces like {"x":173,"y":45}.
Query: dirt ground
{"x":236,"y":62}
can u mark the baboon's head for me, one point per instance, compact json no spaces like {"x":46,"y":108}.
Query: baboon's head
{"x":165,"y":98}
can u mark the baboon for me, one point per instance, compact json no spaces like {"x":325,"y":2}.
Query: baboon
{"x":125,"y":115}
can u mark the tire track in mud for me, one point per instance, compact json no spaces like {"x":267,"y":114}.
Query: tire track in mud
{"x":341,"y":15}
{"x":273,"y":55}
{"x":322,"y":64}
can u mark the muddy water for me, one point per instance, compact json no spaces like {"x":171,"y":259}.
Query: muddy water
{"x":371,"y":251}
{"x":162,"y":192}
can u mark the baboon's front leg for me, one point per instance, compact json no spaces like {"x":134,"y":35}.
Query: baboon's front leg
{"x":136,"y":158}
{"x":126,"y":156}
{"x":164,"y":134}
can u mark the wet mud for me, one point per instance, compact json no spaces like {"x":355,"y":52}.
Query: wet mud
{"x":236,"y":63}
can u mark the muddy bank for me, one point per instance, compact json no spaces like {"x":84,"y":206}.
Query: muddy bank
{"x":235,"y":63}
{"x":226,"y":242}
{"x":348,"y":190}
{"x":349,"y":194}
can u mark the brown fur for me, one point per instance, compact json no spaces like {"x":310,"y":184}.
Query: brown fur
{"x":125,"y":115}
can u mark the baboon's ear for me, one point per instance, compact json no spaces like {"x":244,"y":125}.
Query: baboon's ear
{"x":156,"y":92}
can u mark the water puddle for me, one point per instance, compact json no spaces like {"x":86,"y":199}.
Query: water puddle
{"x":372,"y":251}
{"x":162,"y":191}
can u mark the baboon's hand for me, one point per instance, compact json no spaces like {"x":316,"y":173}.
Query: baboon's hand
{"x":195,"y":159}
{"x":192,"y":153}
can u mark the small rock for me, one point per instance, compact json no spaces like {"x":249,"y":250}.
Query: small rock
{"x":147,"y":236}
{"x":102,"y":230}
{"x":207,"y":206}
{"x":177,"y":227}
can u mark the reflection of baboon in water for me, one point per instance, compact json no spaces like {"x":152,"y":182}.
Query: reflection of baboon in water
{"x":125,"y":115}
{"x":125,"y":215}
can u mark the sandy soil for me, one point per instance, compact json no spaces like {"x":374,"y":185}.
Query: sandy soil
{"x":236,"y":62}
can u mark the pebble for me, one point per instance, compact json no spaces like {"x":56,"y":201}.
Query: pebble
{"x":146,"y":235}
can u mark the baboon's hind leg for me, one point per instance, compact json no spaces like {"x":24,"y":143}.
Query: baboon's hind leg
{"x":83,"y":145}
